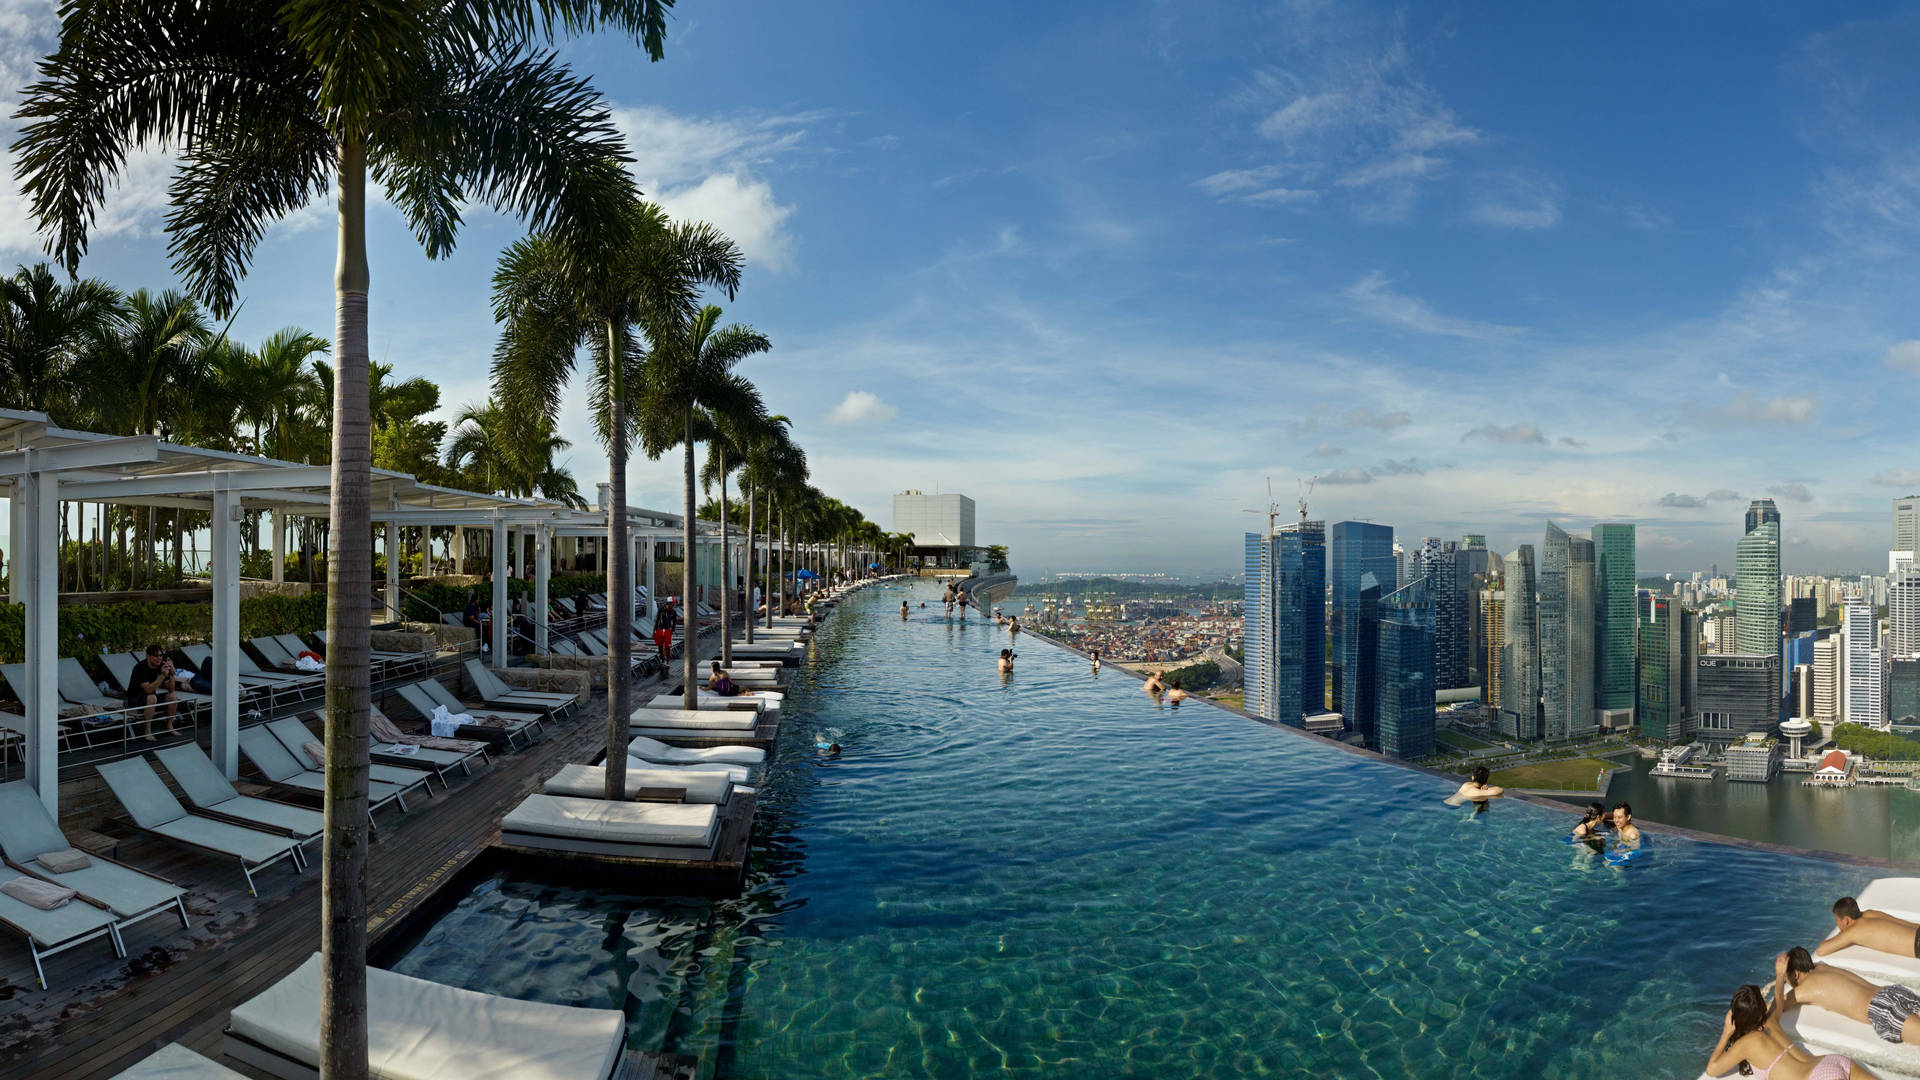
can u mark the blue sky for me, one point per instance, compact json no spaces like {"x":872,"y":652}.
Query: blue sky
{"x":1107,"y":267}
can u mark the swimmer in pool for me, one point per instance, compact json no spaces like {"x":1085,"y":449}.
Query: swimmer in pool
{"x":1175,"y":695}
{"x":1477,"y":787}
{"x":1096,"y":661}
{"x":1154,"y":686}
{"x":1626,"y":834}
{"x":903,"y":611}
{"x":1592,"y":823}
{"x":1006,"y":661}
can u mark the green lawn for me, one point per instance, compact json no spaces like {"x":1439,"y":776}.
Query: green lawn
{"x":1576,"y":775}
{"x":1455,"y":740}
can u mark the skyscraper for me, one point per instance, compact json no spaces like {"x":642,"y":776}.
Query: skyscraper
{"x":1566,"y":635}
{"x":1826,"y":679}
{"x":1614,"y":609}
{"x":1761,"y":512}
{"x":1757,"y":626}
{"x":1520,"y":667}
{"x":1865,"y":701}
{"x":1493,"y":643}
{"x":1906,"y":524}
{"x":1440,"y":565}
{"x":1359,"y":557}
{"x":1737,"y":694}
{"x":1669,"y":670}
{"x":1285,"y":677}
{"x":1405,"y":681}
{"x":1903,"y":613}
{"x":1903,"y":692}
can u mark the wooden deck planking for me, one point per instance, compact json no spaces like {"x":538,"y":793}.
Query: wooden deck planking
{"x":99,"y":1017}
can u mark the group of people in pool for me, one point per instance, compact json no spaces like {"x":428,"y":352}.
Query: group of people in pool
{"x":1751,"y":1033}
{"x":1158,"y":686}
{"x":1593,"y":826}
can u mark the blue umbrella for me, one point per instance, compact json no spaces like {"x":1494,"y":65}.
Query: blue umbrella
{"x":873,"y":566}
{"x":804,"y":573}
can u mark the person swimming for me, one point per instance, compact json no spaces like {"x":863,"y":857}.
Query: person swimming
{"x":904,"y":610}
{"x":1006,"y":660}
{"x":1154,"y":685}
{"x":1592,"y":823}
{"x":1476,"y":789}
{"x":1175,"y":695}
{"x":1096,"y":661}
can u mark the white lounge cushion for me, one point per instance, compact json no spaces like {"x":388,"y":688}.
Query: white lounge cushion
{"x":742,"y":720}
{"x":421,"y":1030}
{"x":675,"y":824}
{"x":1827,"y":1032}
{"x":176,"y":1062}
{"x":590,"y":782}
{"x":1899,"y":897}
{"x":651,"y":749}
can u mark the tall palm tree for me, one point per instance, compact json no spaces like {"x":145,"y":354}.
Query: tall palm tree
{"x":45,"y":329}
{"x":552,"y":295}
{"x":266,"y":104}
{"x":690,"y":367}
{"x":269,"y":385}
{"x":481,"y":451}
{"x":727,"y":437}
{"x":765,"y":444}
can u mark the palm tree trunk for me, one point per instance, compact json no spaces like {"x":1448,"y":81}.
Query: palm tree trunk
{"x":773,"y":549}
{"x":726,"y":565}
{"x":785,"y":539}
{"x":619,"y":575}
{"x":746,"y":595}
{"x":343,"y":864}
{"x":690,"y":693}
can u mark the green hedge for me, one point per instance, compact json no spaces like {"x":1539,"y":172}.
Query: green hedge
{"x":452,"y":599}
{"x":85,"y":630}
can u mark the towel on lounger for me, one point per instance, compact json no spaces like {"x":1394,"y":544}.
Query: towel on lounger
{"x":317,"y":752}
{"x":384,"y":730}
{"x":41,"y":894}
{"x":447,"y":724}
{"x":308,"y":663}
{"x":63,"y":862}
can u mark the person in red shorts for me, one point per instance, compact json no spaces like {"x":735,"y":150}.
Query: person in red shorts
{"x":664,"y":621}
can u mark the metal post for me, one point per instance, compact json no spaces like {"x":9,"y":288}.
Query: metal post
{"x":459,"y":549}
{"x":17,"y":532}
{"x":500,"y":573}
{"x":393,"y":569}
{"x":542,"y":570}
{"x":279,"y":545}
{"x":226,"y":633}
{"x":36,"y":574}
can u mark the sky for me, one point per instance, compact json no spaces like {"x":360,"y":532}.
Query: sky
{"x":1110,"y":268}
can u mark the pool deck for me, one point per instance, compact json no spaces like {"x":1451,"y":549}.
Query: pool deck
{"x":103,"y":1013}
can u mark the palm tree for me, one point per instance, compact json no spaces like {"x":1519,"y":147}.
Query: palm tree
{"x":270,"y":384}
{"x":766,"y":445}
{"x":481,"y":452}
{"x":45,"y":330}
{"x":689,"y":369}
{"x":727,"y":437}
{"x":267,"y":103}
{"x":553,"y":295}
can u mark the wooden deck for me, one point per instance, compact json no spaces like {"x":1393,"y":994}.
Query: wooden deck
{"x":102,"y":1013}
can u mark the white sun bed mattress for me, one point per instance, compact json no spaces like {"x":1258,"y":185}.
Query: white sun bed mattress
{"x":176,"y":1062}
{"x":669,"y":824}
{"x":651,"y":749}
{"x":1827,"y":1032}
{"x":421,"y":1030}
{"x":757,"y":701}
{"x":1899,"y":897}
{"x":590,"y":782}
{"x":741,"y":720}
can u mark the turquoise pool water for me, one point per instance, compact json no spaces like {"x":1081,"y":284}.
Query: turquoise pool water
{"x":1050,"y":875}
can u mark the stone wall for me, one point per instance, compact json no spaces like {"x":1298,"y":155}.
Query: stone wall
{"x":407,"y":641}
{"x":595,"y":667}
{"x":548,"y":680}
{"x":446,"y":638}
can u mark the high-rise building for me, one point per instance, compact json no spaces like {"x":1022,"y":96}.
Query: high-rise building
{"x":1493,"y":639}
{"x":1865,"y":701}
{"x":1359,"y":558}
{"x":1285,"y":640}
{"x":1903,"y":693}
{"x":1520,"y":667}
{"x":1440,"y":566}
{"x":1903,"y":613}
{"x":1826,"y":679}
{"x":1404,"y":665}
{"x":1801,"y":695}
{"x":1762,"y":512}
{"x":1803,"y":615}
{"x":1669,"y":670}
{"x":1478,"y":568}
{"x":1758,"y":558}
{"x":1616,"y":588}
{"x":1566,"y":635}
{"x":1906,"y":524}
{"x":1737,"y":694}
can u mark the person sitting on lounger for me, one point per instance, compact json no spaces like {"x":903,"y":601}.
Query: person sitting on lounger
{"x":1750,"y":1034}
{"x":1874,"y":930}
{"x":718,"y":682}
{"x":151,"y":684}
{"x":1477,"y":787}
{"x":1889,"y":1010}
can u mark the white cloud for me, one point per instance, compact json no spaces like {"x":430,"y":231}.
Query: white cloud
{"x":709,"y":169}
{"x":1900,"y":478}
{"x":1379,"y":421}
{"x":1513,"y":433}
{"x":860,"y":407}
{"x":1327,"y":449}
{"x":1778,"y":410}
{"x":1254,"y":186}
{"x":1346,"y":476}
{"x":1374,"y":297}
{"x":1792,"y":492}
{"x":1517,"y":200}
{"x":1904,"y":355}
{"x":1682,"y":502}
{"x":743,"y":208}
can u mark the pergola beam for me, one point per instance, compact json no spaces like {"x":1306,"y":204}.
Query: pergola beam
{"x":237,"y":480}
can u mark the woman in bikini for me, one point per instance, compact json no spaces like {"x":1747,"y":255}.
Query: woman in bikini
{"x":1751,"y":1034}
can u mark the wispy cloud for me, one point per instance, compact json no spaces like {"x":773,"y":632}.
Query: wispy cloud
{"x":1682,"y":502}
{"x":1347,"y":476}
{"x":1364,"y":417}
{"x":1255,"y":186}
{"x":859,"y":407}
{"x":1904,"y":355}
{"x":1723,"y":495}
{"x":1791,"y":492}
{"x":1900,"y":478}
{"x":1527,"y":434}
{"x":1327,"y":449}
{"x":1796,"y":409}
{"x":1409,"y":467}
{"x":1373,"y":295}
{"x":1517,"y":200}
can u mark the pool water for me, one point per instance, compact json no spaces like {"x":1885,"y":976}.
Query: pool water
{"x":1049,"y":874}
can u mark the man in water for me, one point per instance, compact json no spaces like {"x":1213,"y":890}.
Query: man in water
{"x":1013,"y":627}
{"x":961,"y":598}
{"x":1626,"y":834}
{"x":1874,"y":930}
{"x":1006,"y":661}
{"x":1175,"y":695}
{"x":1890,"y":1010}
{"x":1154,"y":685}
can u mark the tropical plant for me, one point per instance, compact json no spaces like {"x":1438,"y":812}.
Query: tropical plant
{"x":265,"y":104}
{"x":690,"y":368}
{"x":763,"y":446}
{"x":45,"y":329}
{"x":553,"y":295}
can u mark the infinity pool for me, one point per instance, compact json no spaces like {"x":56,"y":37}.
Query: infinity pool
{"x":1050,"y":875}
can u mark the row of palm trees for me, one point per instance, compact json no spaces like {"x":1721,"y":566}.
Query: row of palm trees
{"x":269,"y":107}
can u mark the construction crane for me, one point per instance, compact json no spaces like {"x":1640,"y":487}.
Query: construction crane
{"x":1306,"y":491}
{"x":1272,"y":511}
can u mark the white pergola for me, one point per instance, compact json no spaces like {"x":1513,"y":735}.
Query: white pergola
{"x":43,"y":466}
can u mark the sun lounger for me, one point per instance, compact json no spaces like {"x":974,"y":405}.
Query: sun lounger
{"x":212,"y":795}
{"x":647,"y":748}
{"x":601,"y":826}
{"x":276,"y":656}
{"x":495,"y":692}
{"x":153,"y":810}
{"x":430,"y":693}
{"x":295,"y":736}
{"x":279,"y":766}
{"x":304,"y":682}
{"x":27,"y":832}
{"x":1899,"y":897}
{"x":1826,"y":1032}
{"x":766,"y":701}
{"x":704,"y":720}
{"x":260,"y":682}
{"x":47,"y":932}
{"x":421,"y":1030}
{"x":590,"y":782}
{"x":397,"y":660}
{"x":176,"y":1062}
{"x":423,"y":751}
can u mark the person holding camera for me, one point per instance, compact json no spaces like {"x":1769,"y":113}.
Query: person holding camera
{"x":151,"y":685}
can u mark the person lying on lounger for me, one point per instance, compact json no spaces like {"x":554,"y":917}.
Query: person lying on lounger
{"x":1889,"y":1010}
{"x":1874,"y":930}
{"x":720,"y":684}
{"x":1750,"y":1035}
